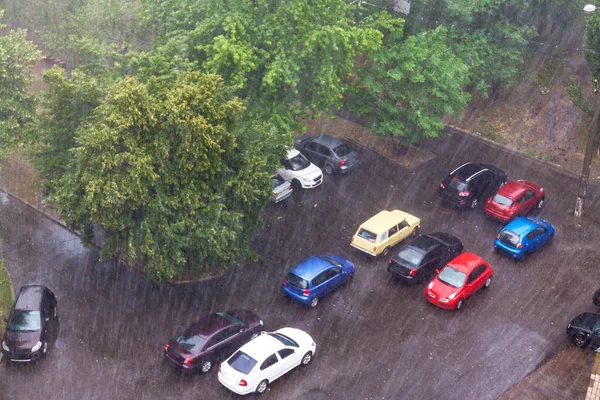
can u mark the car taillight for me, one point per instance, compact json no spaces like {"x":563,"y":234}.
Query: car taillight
{"x":220,"y":367}
{"x":390,"y":260}
{"x":374,"y":248}
{"x":442,"y":185}
{"x":243,"y":383}
{"x":274,"y":194}
{"x":342,"y":163}
{"x":188,"y":361}
{"x":306,"y":292}
{"x":519,"y":246}
{"x":464,"y":194}
{"x":352,"y":241}
{"x":284,"y":281}
{"x":291,"y":187}
{"x":413,"y":272}
{"x":498,"y":236}
{"x":166,"y":346}
{"x":456,"y":179}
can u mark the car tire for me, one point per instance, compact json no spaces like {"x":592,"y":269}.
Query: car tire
{"x":328,"y":169}
{"x":314,"y":302}
{"x":487,"y":283}
{"x":306,"y":359}
{"x":386,"y":251}
{"x":415,"y":231}
{"x":254,"y":335}
{"x":262,"y":387}
{"x":206,"y":366}
{"x":296,"y":185}
{"x":540,"y":203}
{"x":579,"y":341}
{"x":44,"y":347}
{"x":460,"y":304}
{"x":596,"y":299}
{"x":474,"y":203}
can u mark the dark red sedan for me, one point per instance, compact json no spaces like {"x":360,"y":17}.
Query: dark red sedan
{"x":514,"y":199}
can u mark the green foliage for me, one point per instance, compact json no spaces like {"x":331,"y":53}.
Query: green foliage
{"x":575,"y":92}
{"x":591,"y":44}
{"x":17,"y":106}
{"x":173,"y":176}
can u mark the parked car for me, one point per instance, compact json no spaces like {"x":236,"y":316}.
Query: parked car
{"x":316,"y":277}
{"x":260,"y":362}
{"x":514,"y":199}
{"x":211,"y":339}
{"x":381,"y":232}
{"x":459,"y":280}
{"x":300,"y":172}
{"x":32,"y":324}
{"x":282,"y":189}
{"x":584,"y":330}
{"x":522,"y":236}
{"x":471,"y":183}
{"x":418,"y":260}
{"x":329,"y":153}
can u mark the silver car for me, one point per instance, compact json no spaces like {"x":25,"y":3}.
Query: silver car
{"x":282,"y":189}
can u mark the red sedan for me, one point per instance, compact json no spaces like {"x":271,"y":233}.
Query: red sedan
{"x":514,"y":199}
{"x":457,"y":281}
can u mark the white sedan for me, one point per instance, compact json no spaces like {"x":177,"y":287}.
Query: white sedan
{"x":262,"y":360}
{"x":300,"y":172}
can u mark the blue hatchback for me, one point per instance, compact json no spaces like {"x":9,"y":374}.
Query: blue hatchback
{"x":316,"y":277}
{"x":523,"y":236}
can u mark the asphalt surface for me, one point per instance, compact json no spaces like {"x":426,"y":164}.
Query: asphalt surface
{"x":376,"y":339}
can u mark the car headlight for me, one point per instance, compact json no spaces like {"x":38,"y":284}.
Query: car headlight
{"x":261,"y":322}
{"x":453,"y":295}
{"x":430,"y":285}
{"x":4,"y":346}
{"x":37,"y":346}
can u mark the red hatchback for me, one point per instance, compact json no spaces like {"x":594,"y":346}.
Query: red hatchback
{"x":458,"y":280}
{"x":514,"y":199}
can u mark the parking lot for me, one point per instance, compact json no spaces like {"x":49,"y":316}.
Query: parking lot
{"x":376,"y":338}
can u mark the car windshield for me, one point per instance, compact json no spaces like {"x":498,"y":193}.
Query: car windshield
{"x":295,"y":280}
{"x":190,"y":341}
{"x":277,"y":180}
{"x":342,"y":150}
{"x":365,"y":234}
{"x":452,"y":277}
{"x":25,"y":321}
{"x":242,"y":362}
{"x":503,"y":201}
{"x":410,"y":255}
{"x":284,"y":339}
{"x":332,"y":261}
{"x":510,"y":238}
{"x":298,"y":163}
{"x":231,"y":318}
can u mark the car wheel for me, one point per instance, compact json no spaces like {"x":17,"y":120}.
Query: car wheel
{"x":254,"y":336}
{"x":459,"y":305}
{"x":296,"y":185}
{"x":540,"y":203}
{"x":328,"y":169}
{"x":386,"y":252}
{"x":206,"y":366}
{"x":314,"y":302}
{"x":487,"y":283}
{"x":579,"y":340}
{"x":306,"y":359}
{"x":262,"y":387}
{"x":473,"y":203}
{"x":415,"y":231}
{"x":596,"y":299}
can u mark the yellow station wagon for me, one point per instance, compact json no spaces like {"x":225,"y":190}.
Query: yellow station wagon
{"x":386,"y":229}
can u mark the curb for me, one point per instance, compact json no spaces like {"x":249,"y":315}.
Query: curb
{"x":40,"y":210}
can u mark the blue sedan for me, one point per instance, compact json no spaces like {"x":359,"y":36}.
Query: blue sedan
{"x":316,"y":277}
{"x":523,"y":236}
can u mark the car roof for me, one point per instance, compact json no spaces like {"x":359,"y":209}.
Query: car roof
{"x":311,"y":267}
{"x":521,"y":225}
{"x":466,"y":262}
{"x":327,"y":140}
{"x":262,"y":347}
{"x":383,"y":220}
{"x":424,"y":243}
{"x":445,"y":238}
{"x":30,"y":297}
{"x":513,"y":190}
{"x":210,"y":324}
{"x":465,"y":171}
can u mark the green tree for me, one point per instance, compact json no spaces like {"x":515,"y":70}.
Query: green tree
{"x":17,"y":105}
{"x":173,"y":176}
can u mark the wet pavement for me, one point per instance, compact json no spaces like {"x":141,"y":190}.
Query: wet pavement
{"x":376,"y":339}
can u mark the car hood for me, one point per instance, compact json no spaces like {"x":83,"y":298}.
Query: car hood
{"x":585,"y":321}
{"x":22,"y":340}
{"x":312,"y":169}
{"x":440,"y":289}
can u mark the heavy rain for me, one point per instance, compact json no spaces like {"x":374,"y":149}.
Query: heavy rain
{"x":191,"y":197}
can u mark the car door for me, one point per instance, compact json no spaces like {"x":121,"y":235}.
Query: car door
{"x":474,"y":280}
{"x":530,"y":242}
{"x":403,"y":231}
{"x":325,"y":155}
{"x":529,"y":202}
{"x":333,"y":279}
{"x":288,"y":359}
{"x":595,"y":339}
{"x":271,"y":368}
{"x":222,"y":343}
{"x":541,"y":237}
{"x":430,"y":262}
{"x":46,"y":311}
{"x":318,"y":284}
{"x":310,"y":151}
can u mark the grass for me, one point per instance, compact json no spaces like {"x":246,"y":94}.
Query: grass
{"x":6,"y":296}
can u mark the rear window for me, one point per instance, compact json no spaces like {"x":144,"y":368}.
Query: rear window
{"x":457,"y":184}
{"x":503,"y":201}
{"x":242,"y":362}
{"x":277,"y":180}
{"x":25,"y":321}
{"x":410,"y":255}
{"x":190,"y":341}
{"x":510,"y":238}
{"x":295,"y":280}
{"x":365,"y":234}
{"x":342,"y":150}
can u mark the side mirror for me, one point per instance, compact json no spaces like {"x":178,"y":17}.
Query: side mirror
{"x":437,"y":271}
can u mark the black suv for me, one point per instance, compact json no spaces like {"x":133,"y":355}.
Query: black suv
{"x":31,"y":324}
{"x":471,"y":183}
{"x":418,"y":260}
{"x":327,"y":152}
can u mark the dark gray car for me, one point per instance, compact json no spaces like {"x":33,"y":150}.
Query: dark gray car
{"x":329,"y":153}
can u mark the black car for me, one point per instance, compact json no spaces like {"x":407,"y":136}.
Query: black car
{"x":596,"y":299}
{"x":584,"y":330}
{"x":418,"y":260}
{"x":327,"y":152}
{"x":31,"y":324}
{"x":471,"y":183}
{"x":212,"y":339}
